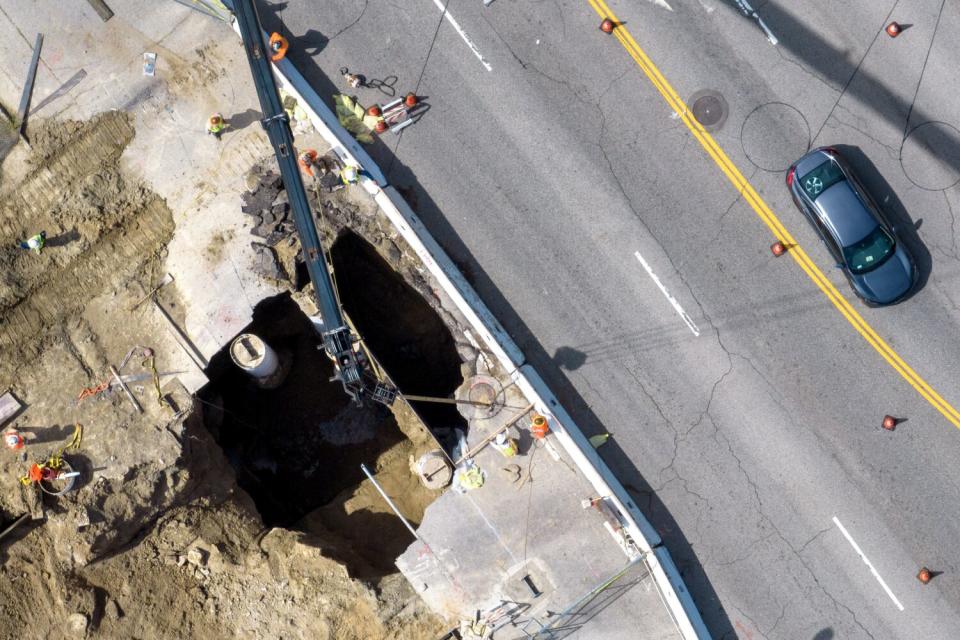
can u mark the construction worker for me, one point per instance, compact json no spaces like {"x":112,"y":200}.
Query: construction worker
{"x":308,"y":161}
{"x":350,"y":174}
{"x":216,"y":124}
{"x":35,"y":243}
{"x":13,"y":440}
{"x":278,"y":46}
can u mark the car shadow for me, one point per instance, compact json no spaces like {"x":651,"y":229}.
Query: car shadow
{"x":404,"y":179}
{"x":886,"y":198}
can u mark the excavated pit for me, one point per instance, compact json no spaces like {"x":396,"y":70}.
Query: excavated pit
{"x":296,"y":447}
{"x":405,"y":334}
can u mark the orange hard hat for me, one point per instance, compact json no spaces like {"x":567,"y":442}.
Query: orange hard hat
{"x":13,"y":440}
{"x":36,"y":472}
{"x":215,"y":118}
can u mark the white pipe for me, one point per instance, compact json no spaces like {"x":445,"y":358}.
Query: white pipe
{"x":254,"y":356}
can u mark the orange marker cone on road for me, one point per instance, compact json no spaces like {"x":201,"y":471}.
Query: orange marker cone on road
{"x":893,"y":29}
{"x":925,"y":575}
{"x":778,"y":248}
{"x":607,"y":25}
{"x":410,"y":100}
{"x":889,"y":423}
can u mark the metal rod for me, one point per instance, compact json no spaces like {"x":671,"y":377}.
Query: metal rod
{"x":16,"y":523}
{"x":123,"y":385}
{"x":102,"y":9}
{"x":182,"y":338}
{"x":383,"y":493}
{"x":476,"y":449}
{"x":446,"y":400}
{"x":475,"y":403}
{"x":205,"y":10}
{"x":28,"y":85}
{"x":167,"y":279}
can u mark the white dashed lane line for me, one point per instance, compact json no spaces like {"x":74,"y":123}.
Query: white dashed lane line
{"x":867,"y":562}
{"x":463,"y":34}
{"x":673,"y":302}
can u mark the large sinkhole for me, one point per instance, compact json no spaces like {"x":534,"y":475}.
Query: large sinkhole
{"x":297,"y":448}
{"x":294,"y":448}
{"x":402,"y":330}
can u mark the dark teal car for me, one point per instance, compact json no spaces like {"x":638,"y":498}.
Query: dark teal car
{"x":861,"y":239}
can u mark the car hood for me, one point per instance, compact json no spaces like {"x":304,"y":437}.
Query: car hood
{"x":890,"y":281}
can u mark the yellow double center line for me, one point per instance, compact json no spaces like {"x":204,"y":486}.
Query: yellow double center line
{"x":765,"y":214}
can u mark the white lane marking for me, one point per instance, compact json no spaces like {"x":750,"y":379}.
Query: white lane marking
{"x":860,"y":553}
{"x":748,"y":11}
{"x":463,"y":34}
{"x":662,"y":3}
{"x":673,"y":302}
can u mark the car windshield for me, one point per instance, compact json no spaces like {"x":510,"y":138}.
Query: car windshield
{"x":870,"y":252}
{"x":821,"y":178}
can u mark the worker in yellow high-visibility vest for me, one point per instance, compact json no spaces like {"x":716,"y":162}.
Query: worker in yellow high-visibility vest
{"x":35,"y":243}
{"x":215,"y":125}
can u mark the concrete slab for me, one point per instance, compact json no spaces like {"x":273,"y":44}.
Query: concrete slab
{"x":521,"y":553}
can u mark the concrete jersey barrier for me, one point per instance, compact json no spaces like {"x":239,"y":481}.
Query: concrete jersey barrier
{"x":494,"y":338}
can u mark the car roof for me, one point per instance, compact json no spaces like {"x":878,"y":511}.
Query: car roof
{"x":842,"y":211}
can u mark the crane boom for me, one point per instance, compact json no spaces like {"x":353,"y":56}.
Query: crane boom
{"x":350,"y":366}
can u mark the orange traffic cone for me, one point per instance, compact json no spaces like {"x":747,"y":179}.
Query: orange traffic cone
{"x":925,"y":575}
{"x":607,"y":25}
{"x":889,"y":423}
{"x":893,"y":29}
{"x":539,"y":427}
{"x":410,"y":100}
{"x":380,"y":127}
{"x":778,"y":248}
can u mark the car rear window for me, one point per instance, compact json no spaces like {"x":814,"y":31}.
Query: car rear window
{"x":869,"y":253}
{"x":821,"y":178}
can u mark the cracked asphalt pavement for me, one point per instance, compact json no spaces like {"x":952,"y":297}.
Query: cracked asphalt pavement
{"x":544,"y":176}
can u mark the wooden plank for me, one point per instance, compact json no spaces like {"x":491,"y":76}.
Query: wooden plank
{"x":9,"y":407}
{"x":102,"y":9}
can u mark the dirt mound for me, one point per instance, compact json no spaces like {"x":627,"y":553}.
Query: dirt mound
{"x":101,"y":229}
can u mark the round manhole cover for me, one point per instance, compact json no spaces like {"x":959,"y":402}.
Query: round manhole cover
{"x":774,"y":135}
{"x":930,"y":156}
{"x":482,"y":393}
{"x":481,"y":397}
{"x":709,"y":108}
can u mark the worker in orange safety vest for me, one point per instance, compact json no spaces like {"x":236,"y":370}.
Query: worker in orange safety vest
{"x":278,"y":46}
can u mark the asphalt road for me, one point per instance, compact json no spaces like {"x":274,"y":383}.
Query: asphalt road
{"x":547,"y":162}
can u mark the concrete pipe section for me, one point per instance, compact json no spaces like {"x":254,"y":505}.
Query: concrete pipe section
{"x":255,"y":356}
